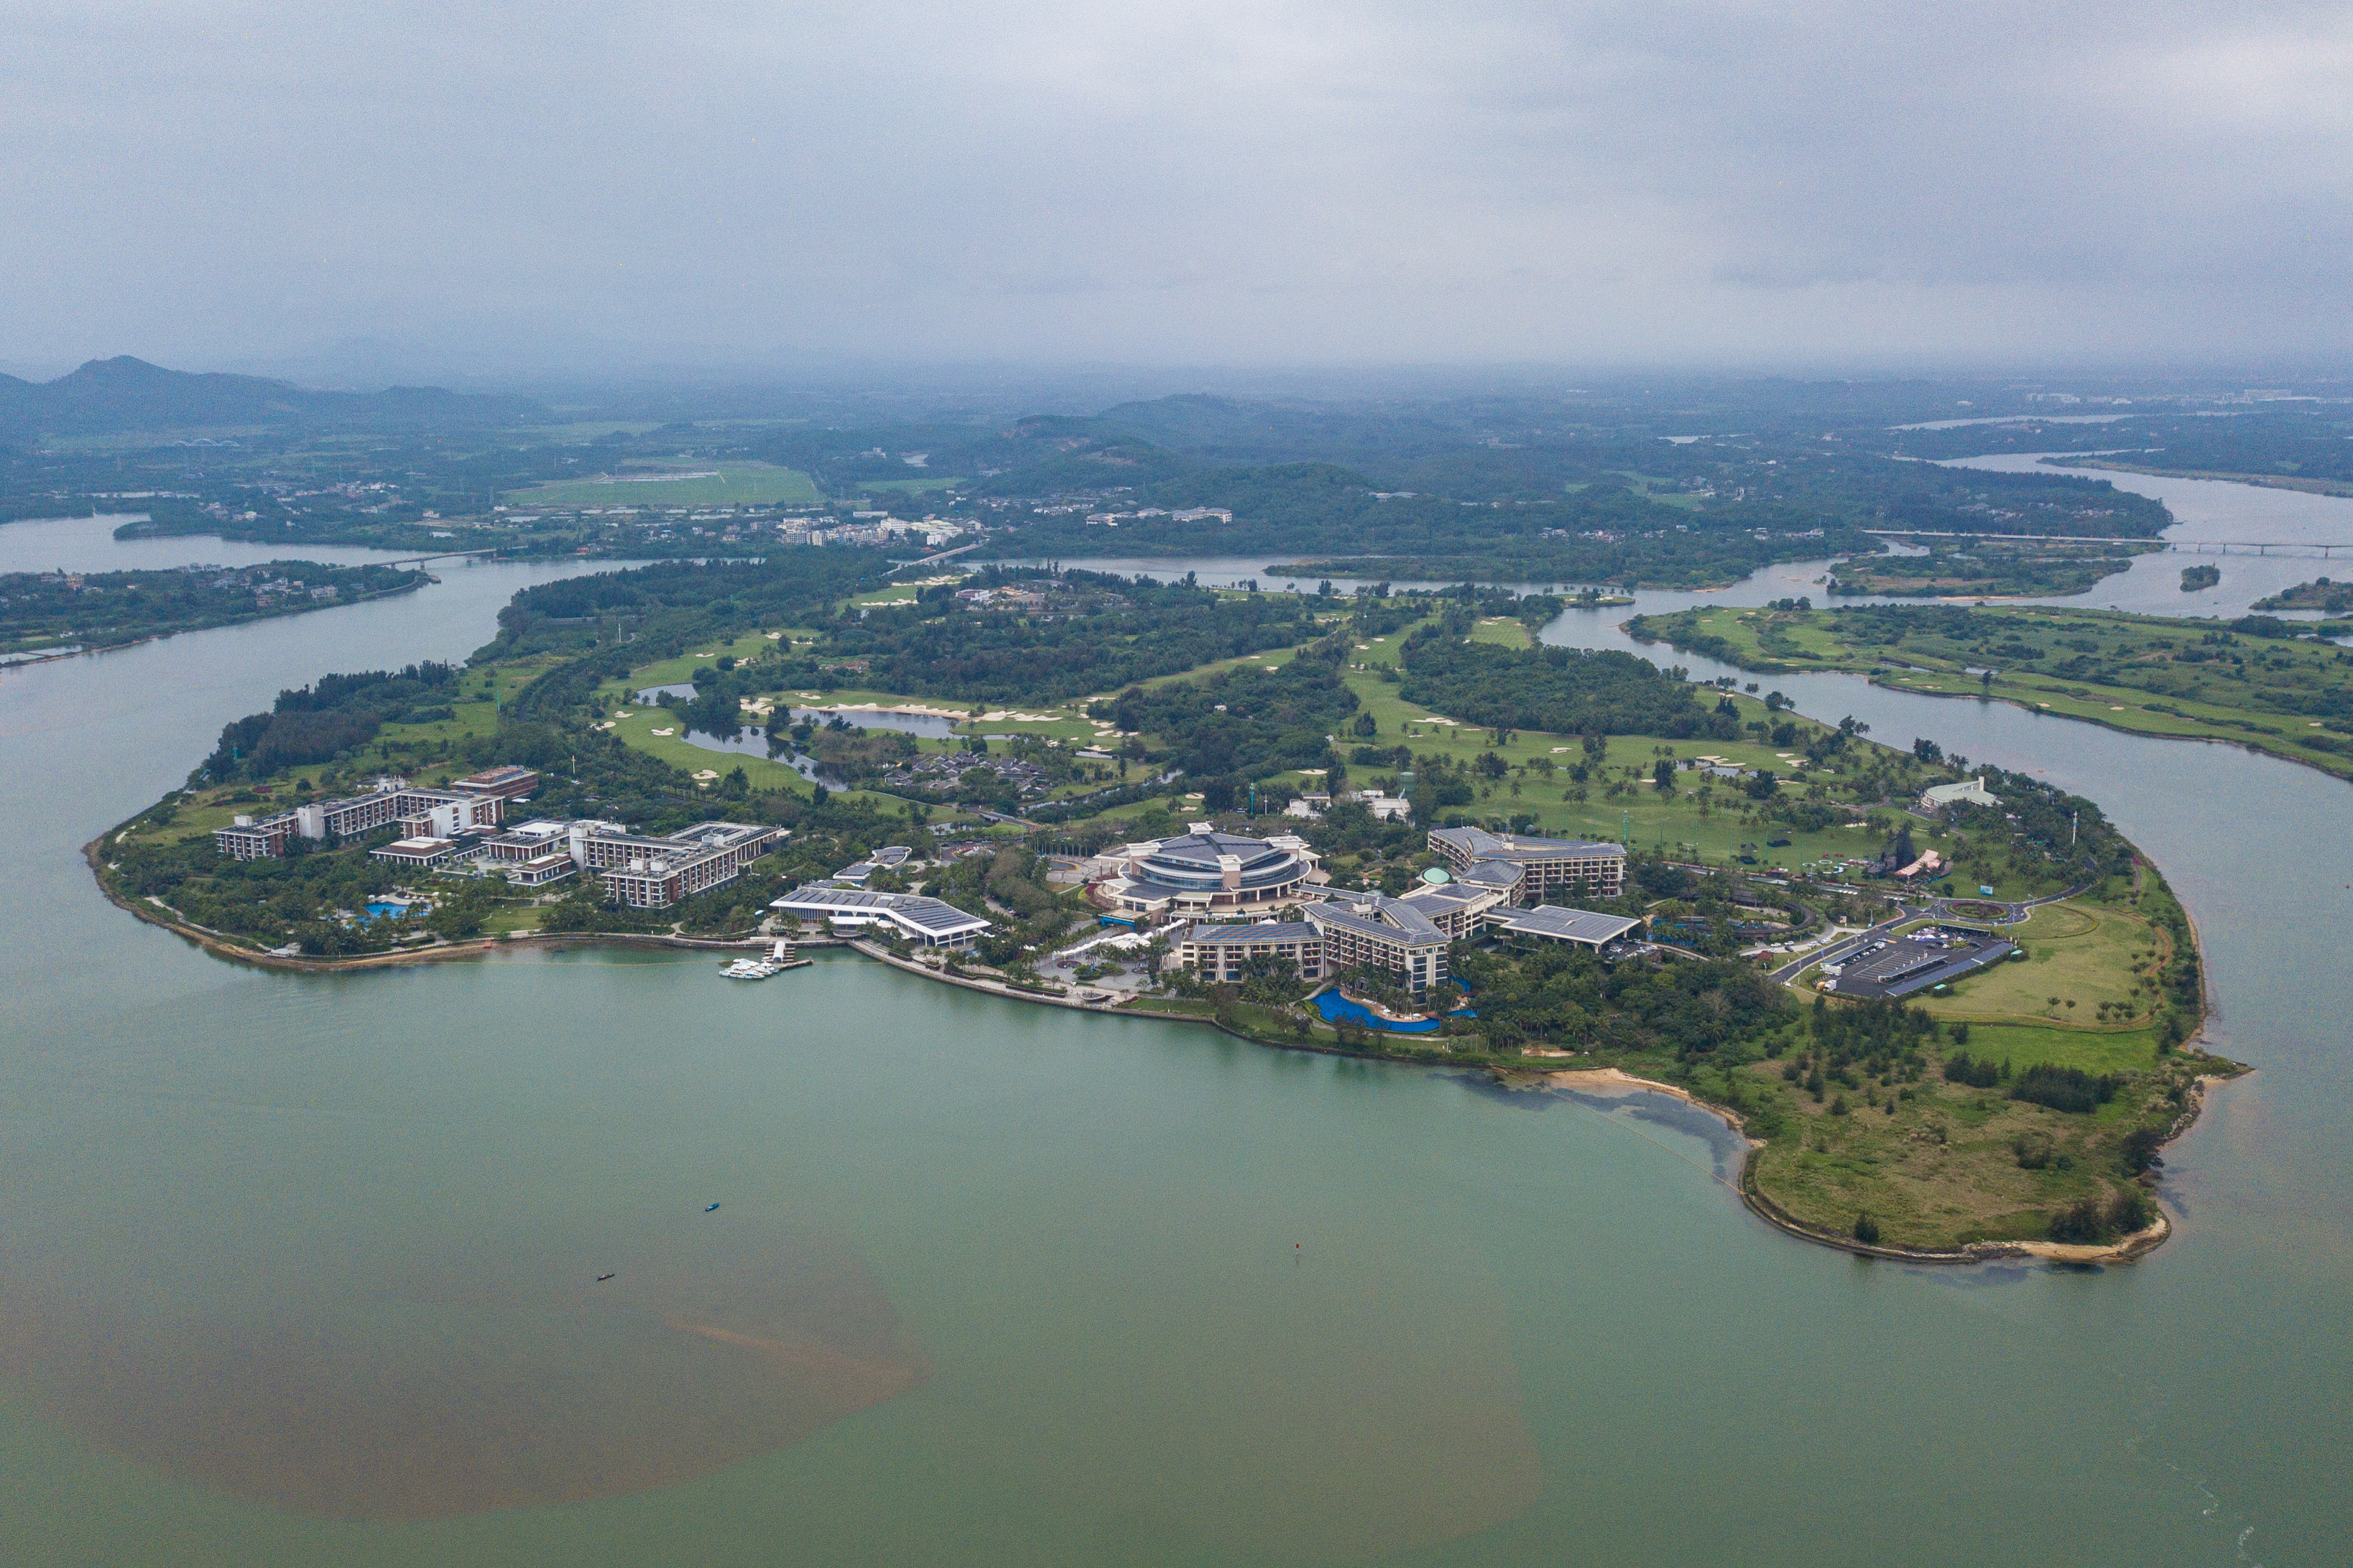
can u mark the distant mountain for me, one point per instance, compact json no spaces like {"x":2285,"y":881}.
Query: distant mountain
{"x":126,"y":394}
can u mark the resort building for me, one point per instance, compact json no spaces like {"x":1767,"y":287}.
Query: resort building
{"x":1344,"y":930}
{"x":1372,"y":930}
{"x":1406,"y":937}
{"x":1545,"y":866}
{"x":541,"y":869}
{"x":418,"y":814}
{"x":1217,"y":952}
{"x":890,"y":858}
{"x":923,"y":920}
{"x":248,"y":838}
{"x":1968,"y":792}
{"x":507,"y":781}
{"x":529,"y":840}
{"x":1206,"y":873}
{"x":1459,"y":909}
{"x":655,"y":873}
{"x":423,"y":854}
{"x":1554,"y":924}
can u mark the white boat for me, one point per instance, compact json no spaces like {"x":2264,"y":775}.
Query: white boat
{"x":749,"y":969}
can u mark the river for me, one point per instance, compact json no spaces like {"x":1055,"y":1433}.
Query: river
{"x":1052,"y":1288}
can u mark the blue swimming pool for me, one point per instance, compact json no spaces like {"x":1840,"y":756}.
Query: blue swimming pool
{"x":1335,"y":1007}
{"x":384,"y":912}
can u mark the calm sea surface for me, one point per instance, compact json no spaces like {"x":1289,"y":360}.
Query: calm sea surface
{"x":305,"y":1270}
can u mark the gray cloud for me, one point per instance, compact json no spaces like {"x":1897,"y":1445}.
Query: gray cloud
{"x":1188,"y":183}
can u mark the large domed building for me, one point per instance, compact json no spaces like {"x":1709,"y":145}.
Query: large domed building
{"x":1208,"y":873}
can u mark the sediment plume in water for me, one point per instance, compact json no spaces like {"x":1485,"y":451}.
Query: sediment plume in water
{"x":383,"y":1398}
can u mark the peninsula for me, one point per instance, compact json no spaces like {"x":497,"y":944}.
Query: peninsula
{"x":1951,"y":1008}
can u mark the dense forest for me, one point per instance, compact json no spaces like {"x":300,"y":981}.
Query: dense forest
{"x":334,"y":715}
{"x":1094,"y":633}
{"x":1568,"y":691}
{"x":1693,"y":1008}
{"x":102,"y":609}
{"x":1246,"y":723}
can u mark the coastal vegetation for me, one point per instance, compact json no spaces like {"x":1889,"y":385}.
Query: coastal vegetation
{"x":40,"y":611}
{"x":1971,"y":568}
{"x":2257,"y":682}
{"x":2321,"y":593}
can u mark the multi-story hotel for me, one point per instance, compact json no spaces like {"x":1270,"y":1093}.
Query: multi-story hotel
{"x":1406,"y":937}
{"x":418,"y":812}
{"x":1547,"y":866}
{"x":655,"y":873}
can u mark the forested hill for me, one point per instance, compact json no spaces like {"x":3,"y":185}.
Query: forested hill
{"x":126,"y":394}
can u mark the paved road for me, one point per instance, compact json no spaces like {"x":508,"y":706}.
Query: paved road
{"x":1936,"y":909}
{"x":2011,"y":913}
{"x":1846,"y":945}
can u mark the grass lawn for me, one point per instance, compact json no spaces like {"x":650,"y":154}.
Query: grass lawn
{"x":660,"y":733}
{"x":900,"y":593}
{"x":1504,"y":631}
{"x":1703,"y":828}
{"x":2036,"y":1045}
{"x":730,"y":484}
{"x":909,"y":487}
{"x":681,"y":670}
{"x":589,"y":429}
{"x":2078,"y":952}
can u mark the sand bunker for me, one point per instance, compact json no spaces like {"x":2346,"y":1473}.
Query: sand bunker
{"x":382,"y":1400}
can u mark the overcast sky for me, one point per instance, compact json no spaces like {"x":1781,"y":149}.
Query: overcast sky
{"x":511,"y":186}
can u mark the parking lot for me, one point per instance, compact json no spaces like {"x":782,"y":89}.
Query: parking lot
{"x":1902,"y":966}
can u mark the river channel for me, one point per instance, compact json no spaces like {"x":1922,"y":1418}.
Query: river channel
{"x":997,"y":1283}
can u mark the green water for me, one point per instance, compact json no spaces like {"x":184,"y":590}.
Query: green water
{"x":1115,"y":1291}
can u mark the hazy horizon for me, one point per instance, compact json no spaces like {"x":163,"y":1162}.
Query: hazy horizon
{"x":344,"y":192}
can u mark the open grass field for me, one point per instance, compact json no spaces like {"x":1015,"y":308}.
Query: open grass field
{"x":1700,"y":821}
{"x":2130,"y":1049}
{"x":2143,"y":674}
{"x":681,"y":669}
{"x":2079,"y":951}
{"x":727,"y":484}
{"x":905,"y":592}
{"x":659,"y":732}
{"x":909,"y":487}
{"x":581,"y":430}
{"x":1504,"y":631}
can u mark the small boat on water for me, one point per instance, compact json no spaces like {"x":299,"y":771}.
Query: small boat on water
{"x":776,"y":963}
